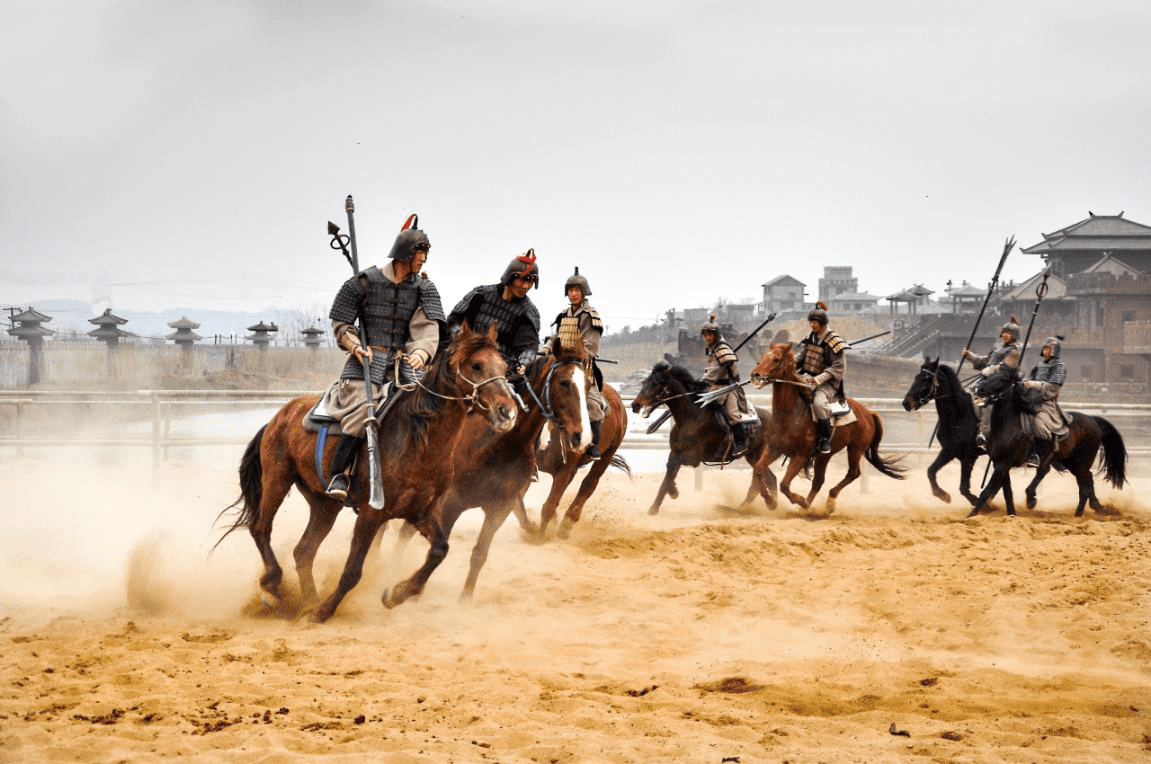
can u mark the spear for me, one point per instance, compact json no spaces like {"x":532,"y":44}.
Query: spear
{"x":376,"y":494}
{"x":1007,"y":247}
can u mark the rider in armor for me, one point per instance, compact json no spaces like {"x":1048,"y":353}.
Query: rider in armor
{"x":403,"y":321}
{"x":998,"y":368}
{"x":721,"y":372}
{"x":508,"y":304}
{"x":821,"y":364}
{"x":1046,"y":380}
{"x":581,"y":323}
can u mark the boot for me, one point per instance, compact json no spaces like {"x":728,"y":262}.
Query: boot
{"x":593,"y":447}
{"x":346,"y":450}
{"x":739,"y":436}
{"x":823,"y":436}
{"x":981,"y":441}
{"x":1040,"y":447}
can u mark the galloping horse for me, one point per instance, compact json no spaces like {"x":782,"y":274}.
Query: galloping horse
{"x":793,"y":433}
{"x":424,"y":425}
{"x":958,"y":423}
{"x":496,"y":470}
{"x":697,"y":437}
{"x":560,"y":461}
{"x":1076,"y":453}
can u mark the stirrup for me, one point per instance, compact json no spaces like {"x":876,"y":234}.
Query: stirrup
{"x":823,"y":446}
{"x":338,"y":488}
{"x":593,"y":452}
{"x":981,"y":442}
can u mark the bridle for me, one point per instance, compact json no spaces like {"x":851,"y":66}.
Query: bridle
{"x":546,"y":407}
{"x":473,"y":398}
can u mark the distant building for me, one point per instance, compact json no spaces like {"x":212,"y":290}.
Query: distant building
{"x":783,"y":293}
{"x":108,"y":328}
{"x":184,"y":337}
{"x":837,"y":280}
{"x":852,"y":302}
{"x":915,"y":298}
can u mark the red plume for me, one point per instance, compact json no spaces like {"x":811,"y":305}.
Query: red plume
{"x":413,"y":221}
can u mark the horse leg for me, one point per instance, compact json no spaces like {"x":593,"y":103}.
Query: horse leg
{"x":667,"y":487}
{"x":368,"y":522}
{"x":276,"y":483}
{"x":794,"y":465}
{"x":989,"y":492}
{"x":560,"y":481}
{"x":412,"y":586}
{"x":818,"y":477}
{"x":320,"y":522}
{"x":1033,"y":486}
{"x":764,"y":479}
{"x":1086,"y":484}
{"x":587,"y":487}
{"x":941,"y":460}
{"x":853,"y":473}
{"x":1008,"y":498}
{"x":966,"y":465}
{"x":493,"y":519}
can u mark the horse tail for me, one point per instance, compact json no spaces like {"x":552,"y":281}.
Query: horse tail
{"x":251,"y":487}
{"x":1113,"y":465}
{"x":888,"y":465}
{"x":620,"y":463}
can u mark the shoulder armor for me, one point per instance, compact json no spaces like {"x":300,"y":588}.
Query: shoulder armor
{"x":346,"y":306}
{"x":836,"y":343}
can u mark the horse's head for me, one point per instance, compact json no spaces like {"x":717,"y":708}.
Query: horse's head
{"x":925,"y":386}
{"x":655,"y":389}
{"x":563,"y":381}
{"x":481,"y":375}
{"x":777,"y":363}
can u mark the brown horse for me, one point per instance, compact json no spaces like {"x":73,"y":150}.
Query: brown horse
{"x":793,"y":433}
{"x":422,"y":429}
{"x":559,"y":460}
{"x":497,"y":469}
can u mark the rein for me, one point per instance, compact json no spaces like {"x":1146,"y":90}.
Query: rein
{"x":545,"y":405}
{"x":472,"y":397}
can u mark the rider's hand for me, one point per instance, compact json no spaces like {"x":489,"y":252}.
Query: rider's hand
{"x":988,"y":370}
{"x":415,"y":360}
{"x":363,"y":352}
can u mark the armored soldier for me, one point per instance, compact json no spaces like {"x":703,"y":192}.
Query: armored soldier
{"x":997,"y":369}
{"x":580,"y":323}
{"x":508,"y":304}
{"x":1045,"y":383}
{"x":722,"y":371}
{"x":403,"y":321}
{"x":821,"y":363}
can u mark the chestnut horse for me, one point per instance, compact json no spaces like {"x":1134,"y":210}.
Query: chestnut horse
{"x":562,"y":462}
{"x":793,"y":433}
{"x":697,"y":437}
{"x":496,"y":469}
{"x":420,"y":432}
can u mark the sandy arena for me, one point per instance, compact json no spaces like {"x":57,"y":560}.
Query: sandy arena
{"x":895,"y":629}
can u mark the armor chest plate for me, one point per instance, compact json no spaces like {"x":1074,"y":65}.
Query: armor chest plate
{"x":388,"y":311}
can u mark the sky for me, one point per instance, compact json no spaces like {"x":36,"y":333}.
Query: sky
{"x":156,"y":154}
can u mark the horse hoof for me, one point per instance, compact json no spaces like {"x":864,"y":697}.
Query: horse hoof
{"x":943,"y":496}
{"x":565,"y":529}
{"x":653,"y":510}
{"x":1031,"y":502}
{"x":269,"y":600}
{"x":389,"y":600}
{"x":673,"y":492}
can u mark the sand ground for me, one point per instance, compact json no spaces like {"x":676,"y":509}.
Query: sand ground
{"x":895,"y":629}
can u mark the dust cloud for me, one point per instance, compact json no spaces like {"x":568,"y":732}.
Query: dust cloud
{"x":702,"y":633}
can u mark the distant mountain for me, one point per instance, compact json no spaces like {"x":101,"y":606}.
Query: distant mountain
{"x":71,"y":316}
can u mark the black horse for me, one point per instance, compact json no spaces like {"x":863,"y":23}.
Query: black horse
{"x":958,"y":423}
{"x":1010,"y":443}
{"x":697,"y":435}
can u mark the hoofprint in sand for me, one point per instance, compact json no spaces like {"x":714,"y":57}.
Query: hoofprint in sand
{"x":895,"y":628}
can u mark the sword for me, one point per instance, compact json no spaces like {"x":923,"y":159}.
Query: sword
{"x":341,"y":242}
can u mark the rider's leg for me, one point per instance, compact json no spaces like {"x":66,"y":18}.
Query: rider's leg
{"x":821,"y":410}
{"x":346,"y":449}
{"x":983,"y":411}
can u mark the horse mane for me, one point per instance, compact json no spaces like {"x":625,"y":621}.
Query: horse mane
{"x":685,"y":378}
{"x":951,"y":380}
{"x":419,"y":407}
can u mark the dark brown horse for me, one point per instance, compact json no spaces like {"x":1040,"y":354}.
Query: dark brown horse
{"x":559,"y":460}
{"x":1075,"y":453}
{"x":793,"y":433}
{"x":496,"y":470}
{"x":958,"y":423}
{"x":697,"y":437}
{"x":423,"y":428}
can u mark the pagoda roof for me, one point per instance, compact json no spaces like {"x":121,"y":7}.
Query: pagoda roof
{"x":312,"y":330}
{"x":1025,"y":290}
{"x":31,"y":330}
{"x":1111,"y":264}
{"x":104,"y":332}
{"x":911,"y":295}
{"x":262,"y":327}
{"x":107,"y":319}
{"x":183,"y":334}
{"x":1097,"y":232}
{"x":184,"y":323}
{"x":856,"y":297}
{"x":784,"y":280}
{"x":31,"y":315}
{"x":966,"y":290}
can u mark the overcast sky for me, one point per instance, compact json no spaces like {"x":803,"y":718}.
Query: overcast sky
{"x":157,"y":154}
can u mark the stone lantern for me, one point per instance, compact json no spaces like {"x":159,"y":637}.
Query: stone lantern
{"x":108,"y":328}
{"x":184,"y":336}
{"x":312,"y":336}
{"x":26,"y":327}
{"x":261,"y":335}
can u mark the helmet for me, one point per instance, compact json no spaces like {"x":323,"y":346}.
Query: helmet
{"x":410,"y":240}
{"x":1053,"y":343}
{"x":818,"y":313}
{"x":711,"y":326}
{"x":577,"y":280}
{"x":1011,"y":326}
{"x":524,"y":267}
